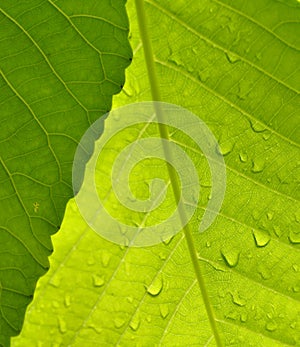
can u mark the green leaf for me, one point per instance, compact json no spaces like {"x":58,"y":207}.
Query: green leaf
{"x":235,"y":64}
{"x":60,"y":64}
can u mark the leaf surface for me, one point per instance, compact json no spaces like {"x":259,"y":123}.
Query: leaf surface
{"x":60,"y":64}
{"x":235,"y":64}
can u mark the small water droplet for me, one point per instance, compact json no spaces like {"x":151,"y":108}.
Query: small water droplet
{"x":264,"y":272}
{"x":203,"y":75}
{"x":135,"y":323}
{"x":277,"y":230}
{"x":105,"y":258}
{"x":244,"y":317}
{"x":258,"y":55}
{"x":167,"y":241}
{"x":257,"y":126}
{"x":258,"y":165}
{"x":238,"y":300}
{"x":261,"y":238}
{"x":293,"y":325}
{"x":231,"y":315}
{"x":91,"y":260}
{"x":164,"y":310}
{"x":232,"y":58}
{"x":208,"y":244}
{"x":148,"y":319}
{"x":156,"y":286}
{"x":162,"y":256}
{"x":55,"y":304}
{"x":67,"y":300}
{"x":295,"y":267}
{"x":270,"y":215}
{"x":231,"y":257}
{"x":243,"y":157}
{"x":267,"y":135}
{"x":98,"y":281}
{"x":55,"y":281}
{"x":119,"y":322}
{"x":95,"y":328}
{"x":271,"y":326}
{"x":295,"y":289}
{"x":294,"y":238}
{"x":225,"y":148}
{"x":62,"y":326}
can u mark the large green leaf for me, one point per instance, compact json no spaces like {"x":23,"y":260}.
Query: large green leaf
{"x":60,"y":64}
{"x":236,"y":65}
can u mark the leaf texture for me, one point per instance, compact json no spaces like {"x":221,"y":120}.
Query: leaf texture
{"x":235,"y":64}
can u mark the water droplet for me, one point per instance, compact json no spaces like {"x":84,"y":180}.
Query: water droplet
{"x":295,"y":289}
{"x":244,"y":317}
{"x":257,"y":126}
{"x":203,"y":75}
{"x":264,"y":272}
{"x":98,"y":281}
{"x":258,"y":165}
{"x":148,"y":319}
{"x":130,"y":299}
{"x":271,"y":326}
{"x":238,"y":300}
{"x":95,"y":328}
{"x":261,"y":238}
{"x":67,"y":300}
{"x":295,"y":268}
{"x":293,"y":325}
{"x":231,"y":315}
{"x":156,"y":286}
{"x":231,"y":257}
{"x":225,"y":148}
{"x":164,"y":310}
{"x":243,"y":157}
{"x":208,"y":244}
{"x":162,"y":255}
{"x":166,"y":242}
{"x":267,"y":135}
{"x":62,"y":326}
{"x":55,"y":304}
{"x":277,"y":230}
{"x":232,"y":58}
{"x":270,"y":215}
{"x":258,"y":56}
{"x":294,"y":238}
{"x":135,"y":323}
{"x":55,"y":281}
{"x":119,"y":322}
{"x":91,"y":260}
{"x":105,"y":258}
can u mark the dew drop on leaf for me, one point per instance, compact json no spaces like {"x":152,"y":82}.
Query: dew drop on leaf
{"x":261,"y":238}
{"x":208,"y":244}
{"x":225,"y":148}
{"x":294,"y":238}
{"x":98,"y":281}
{"x":164,"y":310}
{"x":119,"y":322}
{"x":257,"y":126}
{"x":148,"y":319}
{"x":135,"y":323}
{"x":270,"y":215}
{"x":243,"y":157}
{"x":258,"y":165}
{"x":238,"y":300}
{"x":295,"y":267}
{"x":231,"y":57}
{"x":156,"y":286}
{"x":67,"y":300}
{"x":271,"y":326}
{"x":62,"y":326}
{"x":231,"y":257}
{"x":244,"y":317}
{"x":105,"y":258}
{"x":264,"y":272}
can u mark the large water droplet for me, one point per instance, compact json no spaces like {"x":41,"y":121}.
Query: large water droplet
{"x":156,"y":286}
{"x":164,"y":310}
{"x":135,"y":323}
{"x":119,"y":322}
{"x":225,"y":147}
{"x":261,"y":238}
{"x":98,"y":281}
{"x":231,"y":257}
